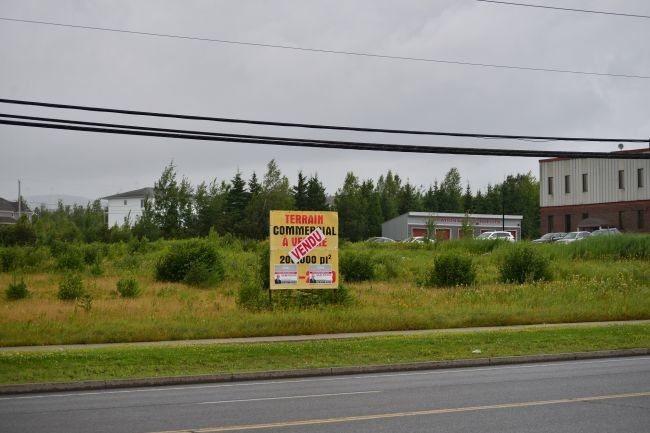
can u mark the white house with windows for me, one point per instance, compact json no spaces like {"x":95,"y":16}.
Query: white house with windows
{"x":127,"y":207}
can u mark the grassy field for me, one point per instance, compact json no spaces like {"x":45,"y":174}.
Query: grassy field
{"x":607,"y":279}
{"x":139,"y":362}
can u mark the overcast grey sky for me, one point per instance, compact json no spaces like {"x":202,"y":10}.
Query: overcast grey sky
{"x":85,"y":67}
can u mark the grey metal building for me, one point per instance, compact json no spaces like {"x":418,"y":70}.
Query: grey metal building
{"x":448,"y":225}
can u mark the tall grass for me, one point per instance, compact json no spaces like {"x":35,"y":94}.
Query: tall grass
{"x":596,"y":279}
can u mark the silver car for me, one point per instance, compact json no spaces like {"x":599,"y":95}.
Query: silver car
{"x":573,"y":236}
{"x":504,"y":236}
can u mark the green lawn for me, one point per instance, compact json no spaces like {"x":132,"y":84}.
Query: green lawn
{"x":141,"y":362}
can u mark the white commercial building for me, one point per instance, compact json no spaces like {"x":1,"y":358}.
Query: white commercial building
{"x":449,"y":225}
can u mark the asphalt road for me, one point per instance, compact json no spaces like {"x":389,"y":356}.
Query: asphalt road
{"x":609,"y":395}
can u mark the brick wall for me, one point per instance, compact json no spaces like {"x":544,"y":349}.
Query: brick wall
{"x":606,"y":211}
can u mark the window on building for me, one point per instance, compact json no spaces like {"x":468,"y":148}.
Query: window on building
{"x":585,"y":180}
{"x":550,"y":185}
{"x":639,"y":177}
{"x":640,"y":219}
{"x":141,"y":203}
{"x":585,"y":215}
{"x":567,"y":184}
{"x":124,"y":202}
{"x":620,"y":220}
{"x":567,"y":223}
{"x":551,"y":224}
{"x":621,"y":179}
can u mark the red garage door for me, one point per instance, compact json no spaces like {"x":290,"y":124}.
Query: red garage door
{"x":418,"y":232}
{"x":443,"y":234}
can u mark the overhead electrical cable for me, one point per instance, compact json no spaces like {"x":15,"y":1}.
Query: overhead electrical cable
{"x":328,"y":51}
{"x":316,"y":126}
{"x":383,"y":147}
{"x":565,"y":9}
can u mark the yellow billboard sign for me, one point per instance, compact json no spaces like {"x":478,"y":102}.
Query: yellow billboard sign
{"x":304,"y":250}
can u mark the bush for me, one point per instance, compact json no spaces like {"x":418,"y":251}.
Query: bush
{"x":10,"y":258}
{"x":356,"y":267}
{"x":522,"y":263}
{"x":128,"y":288}
{"x":451,"y":269}
{"x":17,"y":290}
{"x":71,"y":287}
{"x":71,"y":259}
{"x":14,"y":258}
{"x":194,"y":262}
{"x":264,"y":265}
{"x":251,"y":295}
{"x":93,"y":253}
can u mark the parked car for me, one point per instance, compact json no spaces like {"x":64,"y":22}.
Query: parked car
{"x":504,"y":236}
{"x":418,"y":240}
{"x":380,"y":240}
{"x":573,"y":236}
{"x":606,"y":232}
{"x":549,"y":237}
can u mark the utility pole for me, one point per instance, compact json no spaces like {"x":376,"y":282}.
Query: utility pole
{"x":19,"y":200}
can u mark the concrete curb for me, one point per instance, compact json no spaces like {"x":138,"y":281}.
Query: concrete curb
{"x":311,"y":372}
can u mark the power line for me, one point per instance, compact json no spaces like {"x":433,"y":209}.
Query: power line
{"x":314,"y":126}
{"x":206,"y":133}
{"x":327,"y":51}
{"x":383,"y":147}
{"x":565,"y":9}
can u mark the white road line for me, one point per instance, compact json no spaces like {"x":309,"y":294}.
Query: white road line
{"x":290,"y":397}
{"x":457,"y":370}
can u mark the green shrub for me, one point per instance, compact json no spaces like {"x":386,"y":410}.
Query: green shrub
{"x":13,"y":258}
{"x":194,"y":262}
{"x":356,"y":266}
{"x":93,"y":253}
{"x":17,"y":290}
{"x":522,"y":263}
{"x":128,"y":288}
{"x":251,"y":296}
{"x":10,"y":258}
{"x":97,"y":270}
{"x":71,"y":287}
{"x":451,"y":269}
{"x":129,"y":262}
{"x":71,"y":259}
{"x":264,"y":265}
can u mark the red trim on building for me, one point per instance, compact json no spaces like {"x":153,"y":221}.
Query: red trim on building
{"x":628,"y":216}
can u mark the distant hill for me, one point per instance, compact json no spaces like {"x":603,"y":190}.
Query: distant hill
{"x":51,"y":201}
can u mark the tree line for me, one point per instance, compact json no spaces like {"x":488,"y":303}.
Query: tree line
{"x":240,"y":207}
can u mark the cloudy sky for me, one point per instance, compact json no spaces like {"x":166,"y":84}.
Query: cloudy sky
{"x":120,"y":70}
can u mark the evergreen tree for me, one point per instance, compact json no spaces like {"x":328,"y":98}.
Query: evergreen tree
{"x":316,"y":197}
{"x":468,"y":200}
{"x":350,"y":209}
{"x":408,"y":199}
{"x":275,"y":194}
{"x":299,"y":192}
{"x":236,"y":201}
{"x":254,"y":187}
{"x":430,"y":199}
{"x":370,"y":210}
{"x":388,"y":189}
